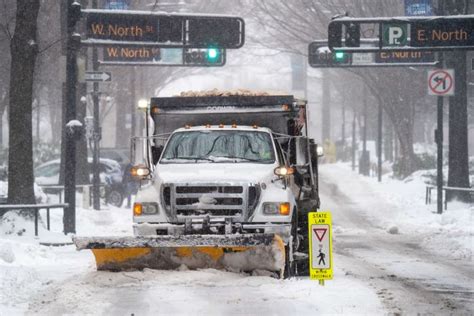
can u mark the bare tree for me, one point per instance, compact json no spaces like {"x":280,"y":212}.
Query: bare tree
{"x":23,"y":57}
{"x":291,"y":25}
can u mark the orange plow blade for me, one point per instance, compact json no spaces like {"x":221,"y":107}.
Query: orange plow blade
{"x":245,"y":252}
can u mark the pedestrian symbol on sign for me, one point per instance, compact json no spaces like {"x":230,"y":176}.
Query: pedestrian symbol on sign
{"x":321,"y":257}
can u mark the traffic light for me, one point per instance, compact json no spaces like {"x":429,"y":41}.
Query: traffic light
{"x":73,"y":13}
{"x":334,"y":34}
{"x":204,"y":57}
{"x":352,"y":35}
{"x":212,"y":55}
{"x":340,"y":57}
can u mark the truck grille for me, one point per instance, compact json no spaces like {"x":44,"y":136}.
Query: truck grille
{"x":201,"y":200}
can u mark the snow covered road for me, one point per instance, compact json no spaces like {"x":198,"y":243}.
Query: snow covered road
{"x":392,"y":256}
{"x":393,"y":259}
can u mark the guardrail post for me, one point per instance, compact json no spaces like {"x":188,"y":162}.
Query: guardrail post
{"x":47,"y":218}
{"x":36,"y":222}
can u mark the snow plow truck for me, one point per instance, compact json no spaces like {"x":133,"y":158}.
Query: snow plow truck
{"x":226,"y":182}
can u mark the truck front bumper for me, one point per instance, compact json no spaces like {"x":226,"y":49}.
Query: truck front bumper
{"x":149,"y":229}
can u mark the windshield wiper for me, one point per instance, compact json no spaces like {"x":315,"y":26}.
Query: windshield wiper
{"x":190,"y":158}
{"x":242,"y":158}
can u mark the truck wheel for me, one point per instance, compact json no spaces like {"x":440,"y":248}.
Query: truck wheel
{"x":290,"y":266}
{"x":302,"y":266}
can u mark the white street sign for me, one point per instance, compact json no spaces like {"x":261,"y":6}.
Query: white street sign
{"x":98,"y":76}
{"x":441,"y":82}
{"x":320,"y":247}
{"x":363,"y":58}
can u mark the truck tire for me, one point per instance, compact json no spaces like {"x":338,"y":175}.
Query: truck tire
{"x":290,"y":266}
{"x":302,"y":266}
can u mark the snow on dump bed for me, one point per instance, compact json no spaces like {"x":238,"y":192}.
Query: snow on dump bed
{"x":227,"y":93}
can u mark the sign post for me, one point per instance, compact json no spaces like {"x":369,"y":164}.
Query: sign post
{"x":440,"y":83}
{"x":320,"y":246}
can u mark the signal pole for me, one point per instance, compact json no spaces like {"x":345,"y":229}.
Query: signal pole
{"x":97,"y":134}
{"x":72,"y":130}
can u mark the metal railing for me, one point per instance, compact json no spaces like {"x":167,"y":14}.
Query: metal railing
{"x":429,"y":188}
{"x":35,"y":208}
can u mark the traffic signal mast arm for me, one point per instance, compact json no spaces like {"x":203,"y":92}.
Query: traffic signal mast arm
{"x":404,"y":33}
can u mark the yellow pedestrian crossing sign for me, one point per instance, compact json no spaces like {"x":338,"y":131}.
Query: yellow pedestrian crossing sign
{"x":320,"y":246}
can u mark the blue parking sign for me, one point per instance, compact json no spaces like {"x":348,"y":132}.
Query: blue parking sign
{"x":418,"y":8}
{"x":117,"y":4}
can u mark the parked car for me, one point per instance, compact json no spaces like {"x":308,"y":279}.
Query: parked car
{"x":120,"y":155}
{"x":110,"y":175}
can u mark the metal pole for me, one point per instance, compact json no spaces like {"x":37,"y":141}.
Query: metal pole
{"x":343,"y":132}
{"x":133,"y":103}
{"x":97,"y":134}
{"x":38,"y":121}
{"x":36,"y":222}
{"x":353,"y":141}
{"x":439,"y":142}
{"x":439,"y":133}
{"x":379,"y":144}
{"x":363,"y":161}
{"x":70,"y":151}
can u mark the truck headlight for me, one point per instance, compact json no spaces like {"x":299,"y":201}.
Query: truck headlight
{"x":140,"y":171}
{"x":145,"y":209}
{"x":276,"y":208}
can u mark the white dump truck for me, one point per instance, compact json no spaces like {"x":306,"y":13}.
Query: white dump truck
{"x":226,"y":182}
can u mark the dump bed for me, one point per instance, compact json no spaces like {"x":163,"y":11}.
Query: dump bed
{"x":277,"y":112}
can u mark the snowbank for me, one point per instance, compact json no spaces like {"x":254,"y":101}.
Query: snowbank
{"x":404,"y":209}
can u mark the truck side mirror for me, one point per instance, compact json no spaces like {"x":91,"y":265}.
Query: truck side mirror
{"x":302,"y":155}
{"x":156,"y":153}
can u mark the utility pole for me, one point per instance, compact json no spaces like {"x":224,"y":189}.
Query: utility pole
{"x":72,"y":130}
{"x":97,"y":133}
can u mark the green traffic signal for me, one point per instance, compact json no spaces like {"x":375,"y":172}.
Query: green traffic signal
{"x":339,"y":56}
{"x":212,"y":55}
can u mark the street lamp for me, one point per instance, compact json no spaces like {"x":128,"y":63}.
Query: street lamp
{"x":143,"y":104}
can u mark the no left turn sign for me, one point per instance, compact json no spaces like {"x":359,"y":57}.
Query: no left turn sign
{"x":441,"y":82}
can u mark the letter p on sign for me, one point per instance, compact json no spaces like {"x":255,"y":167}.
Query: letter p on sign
{"x":394,"y":34}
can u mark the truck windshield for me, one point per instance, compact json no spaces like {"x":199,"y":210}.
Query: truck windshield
{"x":219,"y":146}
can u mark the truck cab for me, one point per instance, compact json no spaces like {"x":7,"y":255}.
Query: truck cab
{"x":226,"y":165}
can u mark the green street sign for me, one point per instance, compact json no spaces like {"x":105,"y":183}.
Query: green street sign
{"x":394,"y":34}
